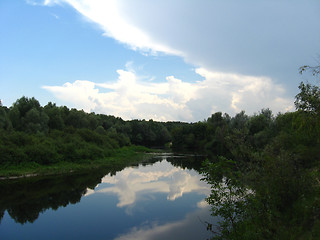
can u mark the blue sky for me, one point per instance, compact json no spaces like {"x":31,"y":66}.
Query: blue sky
{"x":165,"y":60}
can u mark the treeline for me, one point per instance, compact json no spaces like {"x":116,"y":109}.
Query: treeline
{"x":25,"y":200}
{"x":265,"y":171}
{"x":276,"y":157}
{"x":50,"y":134}
{"x":240,"y":136}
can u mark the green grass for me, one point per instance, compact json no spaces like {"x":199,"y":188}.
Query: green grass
{"x":120,"y":157}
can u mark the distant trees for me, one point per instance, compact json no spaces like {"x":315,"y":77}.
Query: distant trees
{"x":148,"y":133}
{"x":56,"y":116}
{"x":277,"y":158}
{"x":27,"y":115}
{"x":49,"y":134}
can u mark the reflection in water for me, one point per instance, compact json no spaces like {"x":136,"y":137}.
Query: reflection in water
{"x":162,"y":177}
{"x":25,"y":199}
{"x":156,"y":200}
{"x":191,"y":227}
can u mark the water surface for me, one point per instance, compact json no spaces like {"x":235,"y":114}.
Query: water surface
{"x":162,"y":199}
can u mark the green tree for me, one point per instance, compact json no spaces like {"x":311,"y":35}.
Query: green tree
{"x":228,"y":198}
{"x":308,"y":99}
{"x":23,"y":119}
{"x":240,"y":121}
{"x":55,"y":115}
{"x":5,"y":122}
{"x":25,"y":104}
{"x":77,"y":119}
{"x":35,"y":121}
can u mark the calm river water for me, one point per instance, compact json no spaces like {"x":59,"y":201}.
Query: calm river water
{"x":161,"y":199}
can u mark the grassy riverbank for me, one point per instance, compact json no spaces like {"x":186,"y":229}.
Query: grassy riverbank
{"x":120,"y":157}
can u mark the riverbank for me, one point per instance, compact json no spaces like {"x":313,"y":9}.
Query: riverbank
{"x":120,"y":157}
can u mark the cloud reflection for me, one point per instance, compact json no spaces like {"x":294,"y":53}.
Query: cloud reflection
{"x":191,"y":227}
{"x":132,"y":183}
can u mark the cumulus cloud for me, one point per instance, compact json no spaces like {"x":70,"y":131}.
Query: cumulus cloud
{"x":129,"y":98}
{"x":174,"y":99}
{"x":236,"y":92}
{"x":162,"y":177}
{"x":190,"y":227}
{"x":80,"y":94}
{"x":244,"y":51}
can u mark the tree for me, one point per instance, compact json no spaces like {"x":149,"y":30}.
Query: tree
{"x":19,"y":111}
{"x":308,"y":99}
{"x":35,"y":121}
{"x":25,"y":104}
{"x":228,"y":197}
{"x":315,"y":70}
{"x":5,"y":122}
{"x":55,"y":115}
{"x":77,"y":119}
{"x":240,"y":121}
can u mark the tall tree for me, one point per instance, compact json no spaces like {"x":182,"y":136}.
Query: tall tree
{"x":308,"y":99}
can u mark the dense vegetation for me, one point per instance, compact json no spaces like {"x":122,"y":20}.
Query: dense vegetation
{"x":48,"y":135}
{"x":264,"y":169}
{"x":24,"y":200}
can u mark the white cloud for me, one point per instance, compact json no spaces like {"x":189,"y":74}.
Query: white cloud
{"x":235,"y":92}
{"x":33,"y":2}
{"x":109,"y":16}
{"x":191,"y":227}
{"x":175,"y":99}
{"x":55,"y":16}
{"x":243,"y":51}
{"x":43,"y":2}
{"x":161,"y":177}
{"x":243,"y":37}
{"x":129,"y":98}
{"x":80,"y":94}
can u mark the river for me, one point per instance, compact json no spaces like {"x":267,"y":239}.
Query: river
{"x":163,"y":198}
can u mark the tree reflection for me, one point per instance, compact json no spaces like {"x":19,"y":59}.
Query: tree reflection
{"x":192,"y":161}
{"x":25,"y":199}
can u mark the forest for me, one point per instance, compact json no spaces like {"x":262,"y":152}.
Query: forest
{"x":50,"y":134}
{"x":263,"y":169}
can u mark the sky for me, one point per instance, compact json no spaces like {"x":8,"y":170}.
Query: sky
{"x":166,"y":60}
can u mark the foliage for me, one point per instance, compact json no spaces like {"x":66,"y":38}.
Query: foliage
{"x":315,"y":70}
{"x":278,"y":158}
{"x":24,"y":199}
{"x":50,"y":134}
{"x":263,"y":169}
{"x":308,"y":99}
{"x":228,"y":198}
